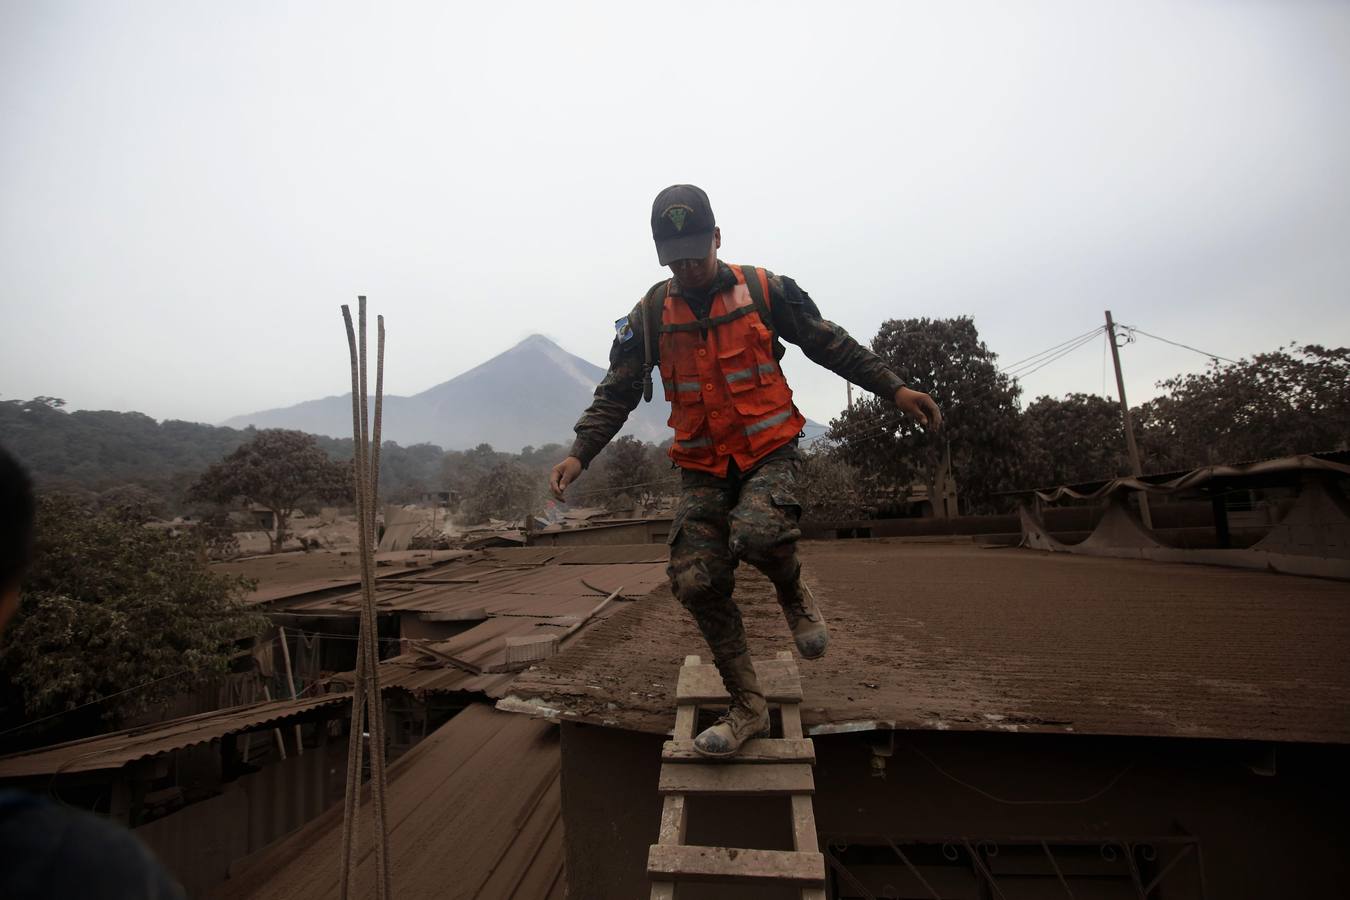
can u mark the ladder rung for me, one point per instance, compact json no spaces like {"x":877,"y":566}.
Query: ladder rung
{"x":736,"y":778}
{"x":682,"y":863}
{"x":755,"y":750}
{"x":778,"y":679}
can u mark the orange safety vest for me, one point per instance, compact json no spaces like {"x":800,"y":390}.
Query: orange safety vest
{"x":728,"y":398}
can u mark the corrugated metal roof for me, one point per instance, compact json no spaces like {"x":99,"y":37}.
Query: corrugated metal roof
{"x":475,"y":813}
{"x":112,"y":751}
{"x":274,"y":591}
{"x":528,"y":590}
{"x":484,"y":646}
{"x":609,"y":555}
{"x":958,"y":638}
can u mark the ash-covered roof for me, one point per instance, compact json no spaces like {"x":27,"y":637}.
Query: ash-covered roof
{"x":112,"y":751}
{"x":535,"y":584}
{"x":475,"y":811}
{"x":950,"y":637}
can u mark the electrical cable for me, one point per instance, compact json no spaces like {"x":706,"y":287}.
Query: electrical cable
{"x":1052,"y":359}
{"x":1177,"y":344}
{"x":1035,"y":356}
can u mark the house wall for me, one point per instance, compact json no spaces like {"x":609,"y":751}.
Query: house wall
{"x":1260,"y":836}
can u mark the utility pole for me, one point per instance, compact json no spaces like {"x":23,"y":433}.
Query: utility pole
{"x":1129,"y":425}
{"x":849,"y":385}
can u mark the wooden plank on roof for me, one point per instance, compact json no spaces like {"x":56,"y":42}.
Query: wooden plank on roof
{"x":736,"y":779}
{"x":735,"y":866}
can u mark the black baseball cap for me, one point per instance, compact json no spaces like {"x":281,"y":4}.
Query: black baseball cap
{"x":682,"y":223}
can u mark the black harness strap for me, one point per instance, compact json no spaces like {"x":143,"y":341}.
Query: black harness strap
{"x":705,"y":324}
{"x":658,"y":289}
{"x":761,"y":303}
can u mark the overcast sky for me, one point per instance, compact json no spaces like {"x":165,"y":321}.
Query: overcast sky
{"x":188,"y":191}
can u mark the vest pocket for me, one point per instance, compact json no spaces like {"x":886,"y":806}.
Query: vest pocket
{"x":740,"y":369}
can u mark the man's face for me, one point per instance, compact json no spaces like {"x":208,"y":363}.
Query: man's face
{"x":698,"y":273}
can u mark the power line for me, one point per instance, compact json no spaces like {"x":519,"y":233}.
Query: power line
{"x":1037,"y":356}
{"x":1056,"y":358}
{"x":1214,"y":356}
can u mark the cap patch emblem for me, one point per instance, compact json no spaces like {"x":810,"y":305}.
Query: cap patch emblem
{"x":676,"y":215}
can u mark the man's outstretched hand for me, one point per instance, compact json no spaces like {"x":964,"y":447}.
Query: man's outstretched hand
{"x":919,"y":407}
{"x":566,"y":472}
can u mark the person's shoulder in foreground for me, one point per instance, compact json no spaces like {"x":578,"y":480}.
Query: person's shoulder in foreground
{"x":51,"y":851}
{"x":48,"y":851}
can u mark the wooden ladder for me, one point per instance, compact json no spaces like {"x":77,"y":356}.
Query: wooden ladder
{"x":764,"y":767}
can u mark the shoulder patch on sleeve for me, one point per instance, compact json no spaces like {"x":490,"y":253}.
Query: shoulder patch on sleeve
{"x":623,"y":331}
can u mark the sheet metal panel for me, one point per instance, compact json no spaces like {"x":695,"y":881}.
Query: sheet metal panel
{"x":481,"y":795}
{"x":529,"y":591}
{"x":112,"y":751}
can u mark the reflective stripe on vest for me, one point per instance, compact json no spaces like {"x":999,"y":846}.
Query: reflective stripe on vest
{"x":695,"y":444}
{"x":743,"y":374}
{"x":691,"y":387}
{"x":769,"y":422}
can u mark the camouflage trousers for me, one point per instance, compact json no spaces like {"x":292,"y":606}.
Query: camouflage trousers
{"x":721,"y":521}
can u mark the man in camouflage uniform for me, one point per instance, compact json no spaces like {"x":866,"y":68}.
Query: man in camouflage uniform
{"x":749,"y":515}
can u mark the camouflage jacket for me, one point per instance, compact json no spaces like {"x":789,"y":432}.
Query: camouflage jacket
{"x":795,"y":319}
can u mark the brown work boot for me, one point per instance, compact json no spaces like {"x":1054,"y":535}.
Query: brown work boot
{"x":747,"y":717}
{"x":804,"y":619}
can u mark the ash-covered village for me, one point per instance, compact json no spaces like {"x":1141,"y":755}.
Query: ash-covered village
{"x":1011,"y":562}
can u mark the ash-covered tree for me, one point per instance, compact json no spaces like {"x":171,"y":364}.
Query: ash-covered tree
{"x":830,"y":490}
{"x":946,"y":359}
{"x":110,"y":605}
{"x":278,"y":469}
{"x":506,"y":491}
{"x":1078,"y":438}
{"x":1289,"y":401}
{"x":625,"y":473}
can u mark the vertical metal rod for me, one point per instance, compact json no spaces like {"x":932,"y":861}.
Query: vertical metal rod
{"x":376,"y":708}
{"x":1129,"y":424}
{"x":355,"y":745}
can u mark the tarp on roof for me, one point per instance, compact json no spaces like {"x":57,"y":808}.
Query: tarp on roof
{"x":1198,"y":477}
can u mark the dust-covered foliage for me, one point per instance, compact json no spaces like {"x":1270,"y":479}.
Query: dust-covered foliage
{"x":1291,"y":400}
{"x":277,"y":469}
{"x":508,"y":490}
{"x":830,"y":489}
{"x":1079,"y":438}
{"x":113,"y":609}
{"x":946,"y":359}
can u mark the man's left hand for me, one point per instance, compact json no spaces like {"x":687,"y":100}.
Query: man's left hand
{"x":919,"y":407}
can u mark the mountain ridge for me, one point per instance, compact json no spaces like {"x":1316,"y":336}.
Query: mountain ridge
{"x":528,"y":395}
